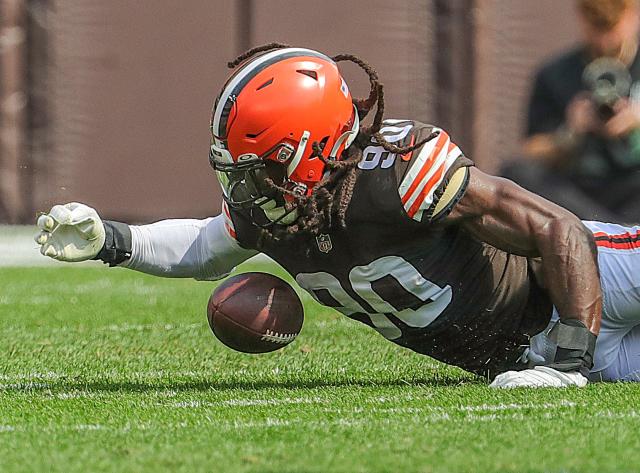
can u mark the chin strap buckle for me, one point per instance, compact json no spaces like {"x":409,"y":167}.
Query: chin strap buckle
{"x":284,"y":153}
{"x":299,"y":189}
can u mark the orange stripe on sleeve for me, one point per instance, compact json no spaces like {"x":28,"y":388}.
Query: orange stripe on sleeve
{"x":231,"y":231}
{"x":428,"y":188}
{"x":442,"y":139}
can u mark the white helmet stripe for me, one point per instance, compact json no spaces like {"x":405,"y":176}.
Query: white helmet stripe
{"x":299,"y":152}
{"x":348,"y":136}
{"x":248,"y":72}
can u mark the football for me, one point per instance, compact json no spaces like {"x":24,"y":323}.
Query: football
{"x":255,"y":313}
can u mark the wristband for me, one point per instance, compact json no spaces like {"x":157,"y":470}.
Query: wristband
{"x":117,"y":243}
{"x":575,"y":346}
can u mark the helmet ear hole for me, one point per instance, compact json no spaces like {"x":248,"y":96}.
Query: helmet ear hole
{"x":323,"y":143}
{"x":276,"y":171}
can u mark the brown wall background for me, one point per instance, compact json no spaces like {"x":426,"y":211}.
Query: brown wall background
{"x":118,"y":94}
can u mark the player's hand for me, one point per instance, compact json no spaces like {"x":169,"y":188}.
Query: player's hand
{"x":625,"y":120}
{"x":581,"y":115}
{"x":70,"y":232}
{"x":539,"y":377}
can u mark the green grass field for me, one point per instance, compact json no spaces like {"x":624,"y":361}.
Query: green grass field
{"x":111,"y":370}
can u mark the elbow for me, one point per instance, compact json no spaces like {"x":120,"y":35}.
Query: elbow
{"x":574,"y":226}
{"x":566,"y":231}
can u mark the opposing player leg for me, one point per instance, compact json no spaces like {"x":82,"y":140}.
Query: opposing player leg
{"x":619,"y":340}
{"x":617,"y":353}
{"x":626,"y":366}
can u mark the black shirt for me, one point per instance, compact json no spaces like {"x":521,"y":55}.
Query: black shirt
{"x":556,"y":84}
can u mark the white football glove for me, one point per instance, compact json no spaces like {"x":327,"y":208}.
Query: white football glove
{"x":70,"y":232}
{"x":539,"y":377}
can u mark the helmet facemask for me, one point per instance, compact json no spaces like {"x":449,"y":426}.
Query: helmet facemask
{"x":252,"y":184}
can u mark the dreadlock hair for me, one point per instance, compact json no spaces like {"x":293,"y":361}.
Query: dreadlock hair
{"x":253,"y":51}
{"x":330,"y":197}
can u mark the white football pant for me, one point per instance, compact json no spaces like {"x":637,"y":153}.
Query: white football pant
{"x":617,"y":354}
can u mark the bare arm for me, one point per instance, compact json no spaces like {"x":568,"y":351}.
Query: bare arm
{"x":501,"y":213}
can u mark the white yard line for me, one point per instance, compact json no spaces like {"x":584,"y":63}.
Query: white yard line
{"x":249,"y":402}
{"x":144,"y":327}
{"x":276,"y":422}
{"x":618,"y":415}
{"x":36,"y":375}
{"x":89,"y":427}
{"x":509,"y":407}
{"x":53,"y":375}
{"x":118,"y":328}
{"x":24,"y":386}
{"x":74,"y":395}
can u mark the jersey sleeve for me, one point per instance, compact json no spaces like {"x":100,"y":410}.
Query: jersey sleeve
{"x":433,"y":178}
{"x":200,"y":249}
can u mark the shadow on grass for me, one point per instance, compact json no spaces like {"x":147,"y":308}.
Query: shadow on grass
{"x":203,"y":384}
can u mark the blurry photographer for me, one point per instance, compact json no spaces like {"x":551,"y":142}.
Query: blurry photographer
{"x":583,"y":131}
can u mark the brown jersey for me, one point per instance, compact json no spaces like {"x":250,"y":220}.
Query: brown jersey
{"x":396,"y":267}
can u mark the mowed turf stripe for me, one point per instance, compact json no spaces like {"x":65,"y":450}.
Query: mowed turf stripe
{"x":278,"y":422}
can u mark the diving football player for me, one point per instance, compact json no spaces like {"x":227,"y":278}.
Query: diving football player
{"x":392,"y":225}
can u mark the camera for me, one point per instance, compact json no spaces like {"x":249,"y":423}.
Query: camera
{"x":608,"y":80}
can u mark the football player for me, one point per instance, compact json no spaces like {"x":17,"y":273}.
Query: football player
{"x":392,"y":225}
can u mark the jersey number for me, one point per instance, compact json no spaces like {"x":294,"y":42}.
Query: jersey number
{"x":375,"y":155}
{"x":436,"y":298}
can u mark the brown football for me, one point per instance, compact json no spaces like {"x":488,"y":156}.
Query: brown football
{"x":255,"y":313}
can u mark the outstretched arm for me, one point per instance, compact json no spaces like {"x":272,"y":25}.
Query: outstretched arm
{"x":501,"y":213}
{"x":185,"y":248}
{"x":200,"y":249}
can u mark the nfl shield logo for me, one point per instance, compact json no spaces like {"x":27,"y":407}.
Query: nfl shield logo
{"x":324,"y":243}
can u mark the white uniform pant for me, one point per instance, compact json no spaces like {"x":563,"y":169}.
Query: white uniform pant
{"x":617,"y":354}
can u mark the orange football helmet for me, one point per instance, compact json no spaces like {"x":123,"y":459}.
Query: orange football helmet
{"x":266,"y":119}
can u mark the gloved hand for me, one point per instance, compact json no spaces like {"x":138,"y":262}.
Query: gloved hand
{"x":70,"y":232}
{"x":539,"y":377}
